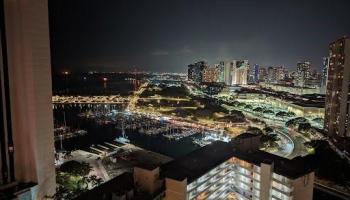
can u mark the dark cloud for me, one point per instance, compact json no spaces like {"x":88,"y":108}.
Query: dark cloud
{"x":168,"y":35}
{"x":160,"y":53}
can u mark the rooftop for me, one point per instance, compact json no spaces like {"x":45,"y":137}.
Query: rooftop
{"x":201,"y":161}
{"x":306,"y":100}
{"x":117,"y":185}
{"x":290,"y":168}
{"x":198,"y":162}
{"x":12,"y":190}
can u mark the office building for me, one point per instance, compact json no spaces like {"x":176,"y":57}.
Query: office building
{"x":337,"y":92}
{"x":26,"y":135}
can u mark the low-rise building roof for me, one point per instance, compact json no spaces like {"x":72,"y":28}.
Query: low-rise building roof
{"x":201,"y":161}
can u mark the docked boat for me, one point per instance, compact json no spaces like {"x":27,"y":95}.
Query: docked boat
{"x":123,"y":139}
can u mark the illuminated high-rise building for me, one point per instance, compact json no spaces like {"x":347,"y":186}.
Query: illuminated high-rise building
{"x":256,"y":73}
{"x":192,"y":72}
{"x":253,"y":74}
{"x":271,"y":74}
{"x":262,"y":74}
{"x":221,"y":71}
{"x":303,"y":73}
{"x":324,"y":75}
{"x":227,"y":72}
{"x":239,"y":72}
{"x":235,"y":72}
{"x":210,"y":74}
{"x":196,"y":70}
{"x":337,"y":94}
{"x":281,"y":73}
{"x":227,"y":68}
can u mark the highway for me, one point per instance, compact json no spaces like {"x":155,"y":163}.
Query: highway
{"x":296,"y":141}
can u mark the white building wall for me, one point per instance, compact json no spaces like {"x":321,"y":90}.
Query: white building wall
{"x":28,"y":48}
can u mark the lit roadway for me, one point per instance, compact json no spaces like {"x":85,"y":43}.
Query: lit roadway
{"x":135,"y":97}
{"x":103,"y":99}
{"x":294,"y":137}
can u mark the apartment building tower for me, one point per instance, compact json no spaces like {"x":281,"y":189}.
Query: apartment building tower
{"x":337,"y":92}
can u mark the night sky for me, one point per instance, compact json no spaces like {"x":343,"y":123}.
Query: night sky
{"x":166,"y":36}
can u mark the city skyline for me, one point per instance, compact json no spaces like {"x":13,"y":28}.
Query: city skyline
{"x":262,"y":121}
{"x":166,"y":37}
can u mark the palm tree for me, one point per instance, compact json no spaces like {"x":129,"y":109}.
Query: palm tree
{"x":95,"y":181}
{"x":67,"y":154}
{"x":83,"y":183}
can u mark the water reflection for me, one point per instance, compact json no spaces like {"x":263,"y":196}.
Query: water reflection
{"x":100,"y":131}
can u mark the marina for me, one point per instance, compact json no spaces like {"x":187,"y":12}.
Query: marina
{"x":63,"y":133}
{"x":209,"y":137}
{"x":180,"y":135}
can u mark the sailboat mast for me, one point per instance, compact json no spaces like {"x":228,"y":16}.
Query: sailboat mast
{"x":65,"y":126}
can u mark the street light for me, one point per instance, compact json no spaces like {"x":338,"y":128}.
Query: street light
{"x":104,"y":82}
{"x":66,"y":73}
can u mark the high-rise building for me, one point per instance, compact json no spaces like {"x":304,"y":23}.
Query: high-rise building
{"x":324,"y":75}
{"x":303,"y":73}
{"x":281,"y":73}
{"x":337,"y":94}
{"x":271,"y":74}
{"x":210,"y":74}
{"x":195,"y":71}
{"x":239,"y":72}
{"x":253,"y":74}
{"x":192,"y":72}
{"x":262,"y":74}
{"x":235,"y":72}
{"x":256,"y":73}
{"x":227,"y":72}
{"x":221,"y":71}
